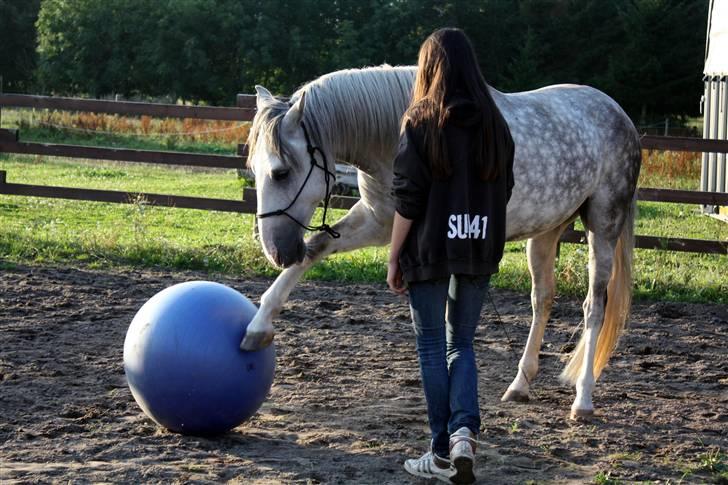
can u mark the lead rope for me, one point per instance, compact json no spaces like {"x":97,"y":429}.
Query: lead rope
{"x":327,"y":179}
{"x":510,"y":344}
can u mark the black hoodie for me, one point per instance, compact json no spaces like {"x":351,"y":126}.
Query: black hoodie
{"x":459,"y":221}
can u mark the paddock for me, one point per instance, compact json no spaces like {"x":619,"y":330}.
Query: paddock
{"x":346,"y":404}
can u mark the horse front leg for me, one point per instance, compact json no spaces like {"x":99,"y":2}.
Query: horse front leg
{"x":259,"y":333}
{"x":541,"y":252}
{"x":359,"y":228}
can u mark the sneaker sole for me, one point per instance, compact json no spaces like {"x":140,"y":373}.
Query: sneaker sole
{"x":416,"y":473}
{"x":463,"y":471}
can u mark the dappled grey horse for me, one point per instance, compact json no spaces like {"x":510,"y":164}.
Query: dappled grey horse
{"x":577,"y":154}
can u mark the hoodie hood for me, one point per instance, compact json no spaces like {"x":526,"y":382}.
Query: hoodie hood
{"x":463,"y":111}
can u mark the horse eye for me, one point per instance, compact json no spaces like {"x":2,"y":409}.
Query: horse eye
{"x":280,"y":174}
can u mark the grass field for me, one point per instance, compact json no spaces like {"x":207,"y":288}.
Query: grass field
{"x":103,"y":235}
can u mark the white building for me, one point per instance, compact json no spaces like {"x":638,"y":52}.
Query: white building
{"x":714,"y":173}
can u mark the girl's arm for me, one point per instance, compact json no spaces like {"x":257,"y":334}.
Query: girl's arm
{"x":400,"y":229}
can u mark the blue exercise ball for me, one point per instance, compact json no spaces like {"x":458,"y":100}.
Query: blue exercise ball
{"x":183,"y":362}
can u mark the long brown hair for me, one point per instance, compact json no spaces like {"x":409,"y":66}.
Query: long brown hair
{"x":447,"y":65}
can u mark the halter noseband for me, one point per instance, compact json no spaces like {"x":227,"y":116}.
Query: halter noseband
{"x":328,"y":175}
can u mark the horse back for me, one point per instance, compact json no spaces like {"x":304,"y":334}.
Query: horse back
{"x":572,"y":142}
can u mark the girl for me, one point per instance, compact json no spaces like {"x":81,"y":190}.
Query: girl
{"x":453,"y":177}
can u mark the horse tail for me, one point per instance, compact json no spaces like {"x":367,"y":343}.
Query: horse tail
{"x":619,"y":300}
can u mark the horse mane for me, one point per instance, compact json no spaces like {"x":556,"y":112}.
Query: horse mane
{"x":353,"y":113}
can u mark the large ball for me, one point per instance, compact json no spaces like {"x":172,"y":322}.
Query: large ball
{"x":183,"y":362}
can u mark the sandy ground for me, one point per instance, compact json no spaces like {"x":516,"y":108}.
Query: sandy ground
{"x":346,"y":405}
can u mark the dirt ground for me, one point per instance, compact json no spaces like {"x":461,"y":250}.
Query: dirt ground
{"x":346,"y":405}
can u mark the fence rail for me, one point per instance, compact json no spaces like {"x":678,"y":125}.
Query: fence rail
{"x":10,"y":143}
{"x":224,"y":205}
{"x":682,"y":196}
{"x":683,"y":144}
{"x":243,"y":112}
{"x":654,"y":242}
{"x":248,"y":206}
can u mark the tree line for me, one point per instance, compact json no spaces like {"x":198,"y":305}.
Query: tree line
{"x":647,"y":54}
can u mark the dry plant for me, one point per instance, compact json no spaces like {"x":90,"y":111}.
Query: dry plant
{"x":207,"y":131}
{"x":670,"y":165}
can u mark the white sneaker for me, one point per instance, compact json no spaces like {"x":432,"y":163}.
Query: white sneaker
{"x":430,"y":466}
{"x":462,"y":455}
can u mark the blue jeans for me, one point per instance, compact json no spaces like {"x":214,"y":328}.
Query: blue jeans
{"x":445,"y":313}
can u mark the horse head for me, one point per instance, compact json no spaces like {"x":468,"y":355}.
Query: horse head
{"x":288,"y":187}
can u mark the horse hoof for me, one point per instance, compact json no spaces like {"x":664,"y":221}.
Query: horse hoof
{"x":582,"y":414}
{"x":256,"y":341}
{"x":514,"y":396}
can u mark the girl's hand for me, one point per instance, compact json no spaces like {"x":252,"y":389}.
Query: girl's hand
{"x":400,"y":229}
{"x":394,"y":278}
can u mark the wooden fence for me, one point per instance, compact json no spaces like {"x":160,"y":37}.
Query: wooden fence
{"x":244,"y":111}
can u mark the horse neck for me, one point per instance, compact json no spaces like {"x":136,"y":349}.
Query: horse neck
{"x":356,"y":142}
{"x":359,"y":122}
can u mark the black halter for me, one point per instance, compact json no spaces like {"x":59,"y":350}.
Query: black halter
{"x":328,"y":177}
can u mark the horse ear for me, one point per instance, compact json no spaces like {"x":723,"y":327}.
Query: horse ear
{"x":264,"y":97}
{"x":292,"y":119}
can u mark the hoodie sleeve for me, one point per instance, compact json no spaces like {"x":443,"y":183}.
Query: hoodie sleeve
{"x":412,"y":177}
{"x":509,"y":175}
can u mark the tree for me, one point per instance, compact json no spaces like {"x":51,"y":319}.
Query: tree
{"x":647,"y":54}
{"x":657,"y":69}
{"x":186,"y":49}
{"x":17,"y":43}
{"x":524,"y":72}
{"x":97,"y":47}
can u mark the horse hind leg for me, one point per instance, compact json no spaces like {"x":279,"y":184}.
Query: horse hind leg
{"x":606,"y":306}
{"x":541,"y":253}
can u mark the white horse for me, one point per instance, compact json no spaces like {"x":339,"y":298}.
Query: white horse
{"x":576,"y":154}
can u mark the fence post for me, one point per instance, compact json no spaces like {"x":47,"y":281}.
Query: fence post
{"x":242,"y":152}
{"x":256,"y":233}
{"x":3,"y":174}
{"x":242,"y":149}
{"x":247,"y":101}
{"x":1,"y":106}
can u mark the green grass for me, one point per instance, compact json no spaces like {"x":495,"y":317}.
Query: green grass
{"x":602,"y":478}
{"x":106,"y":235}
{"x":60,"y":231}
{"x":711,"y":464}
{"x":103,"y":235}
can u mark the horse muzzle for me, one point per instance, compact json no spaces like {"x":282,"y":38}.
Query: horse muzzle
{"x":286,"y":253}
